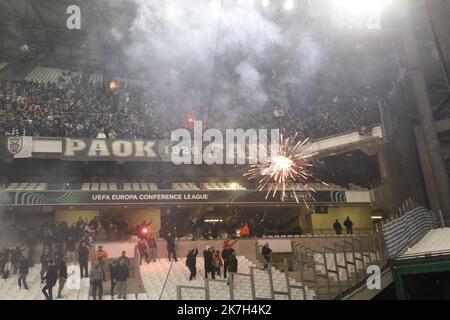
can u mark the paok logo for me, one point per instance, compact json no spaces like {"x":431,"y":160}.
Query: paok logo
{"x":374,"y":280}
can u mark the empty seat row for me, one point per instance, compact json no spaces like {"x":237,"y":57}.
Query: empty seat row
{"x":162,"y":278}
{"x":16,"y":186}
{"x":184,"y":186}
{"x":223,"y":186}
{"x":98,"y":186}
{"x":140,"y":186}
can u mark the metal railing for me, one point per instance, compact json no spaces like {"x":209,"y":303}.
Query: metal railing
{"x":335,"y":275}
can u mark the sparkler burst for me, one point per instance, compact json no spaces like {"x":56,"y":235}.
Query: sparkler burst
{"x":113,"y":85}
{"x":289,"y":169}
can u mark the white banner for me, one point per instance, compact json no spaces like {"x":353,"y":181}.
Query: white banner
{"x":20,"y":147}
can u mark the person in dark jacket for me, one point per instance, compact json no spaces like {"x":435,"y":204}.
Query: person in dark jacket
{"x":348,"y":225}
{"x":16,"y":257}
{"x":143,"y":252}
{"x":226,"y":253}
{"x":23,"y":271}
{"x":208,"y":261}
{"x":45,"y":258}
{"x":59,"y":255}
{"x":50,"y":277}
{"x":62,"y":276}
{"x":96,"y":279}
{"x":337,"y":227}
{"x":171,"y":246}
{"x":4,"y":257}
{"x":152,"y":246}
{"x":83,"y":258}
{"x":191,"y":263}
{"x":124,"y":258}
{"x":266,"y":253}
{"x":122,"y":274}
{"x":232,"y":263}
{"x":113,"y":276}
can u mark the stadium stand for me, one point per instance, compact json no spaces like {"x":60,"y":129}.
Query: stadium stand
{"x":434,"y":241}
{"x":154,"y":279}
{"x":50,"y":75}
{"x":96,"y":78}
{"x":10,"y":291}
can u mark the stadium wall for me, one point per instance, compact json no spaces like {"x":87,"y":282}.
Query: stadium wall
{"x":360,"y":216}
{"x":71,"y":216}
{"x":135,"y":215}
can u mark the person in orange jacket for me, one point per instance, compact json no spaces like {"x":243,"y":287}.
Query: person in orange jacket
{"x":244,"y":231}
{"x":100,"y":256}
{"x":217,"y":262}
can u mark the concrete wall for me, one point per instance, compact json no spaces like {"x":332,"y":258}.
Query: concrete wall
{"x":360,"y":217}
{"x":71,"y":216}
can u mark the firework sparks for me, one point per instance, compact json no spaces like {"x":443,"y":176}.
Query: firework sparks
{"x":289,"y":169}
{"x":113,"y":85}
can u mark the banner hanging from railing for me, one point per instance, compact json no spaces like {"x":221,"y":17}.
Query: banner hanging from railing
{"x":405,"y":231}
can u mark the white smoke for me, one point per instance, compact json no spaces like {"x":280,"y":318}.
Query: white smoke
{"x":177,"y":43}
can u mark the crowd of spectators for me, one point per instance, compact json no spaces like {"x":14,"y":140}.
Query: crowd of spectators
{"x":79,"y":108}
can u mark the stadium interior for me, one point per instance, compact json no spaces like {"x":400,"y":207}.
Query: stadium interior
{"x":92,"y":94}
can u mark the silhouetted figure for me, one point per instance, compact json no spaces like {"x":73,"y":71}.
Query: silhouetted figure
{"x":50,"y":277}
{"x":191,"y":263}
{"x":348,"y":225}
{"x":337,"y":227}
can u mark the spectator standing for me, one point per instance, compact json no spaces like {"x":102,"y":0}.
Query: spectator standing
{"x":16,"y":257}
{"x":217,"y":263}
{"x":337,"y":227}
{"x":125,"y":259}
{"x":122,"y":275}
{"x":348,"y":225}
{"x":208,"y":262}
{"x":266,"y":253}
{"x":171,"y":246}
{"x":7,"y":268}
{"x":143,"y":251}
{"x":100,"y":257}
{"x":70,"y":249}
{"x":227,"y":248}
{"x":59,"y":255}
{"x":152,"y":248}
{"x":232,"y":263}
{"x":62,"y":276}
{"x":23,"y":271}
{"x":244,"y":230}
{"x":191,"y":263}
{"x":45,"y":258}
{"x":113,"y":277}
{"x":83,"y":258}
{"x":4,"y":257}
{"x":199,"y":228}
{"x":193,"y":226}
{"x":96,"y":277}
{"x":50,"y":277}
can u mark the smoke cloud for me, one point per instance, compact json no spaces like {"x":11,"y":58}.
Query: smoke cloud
{"x":232,"y":59}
